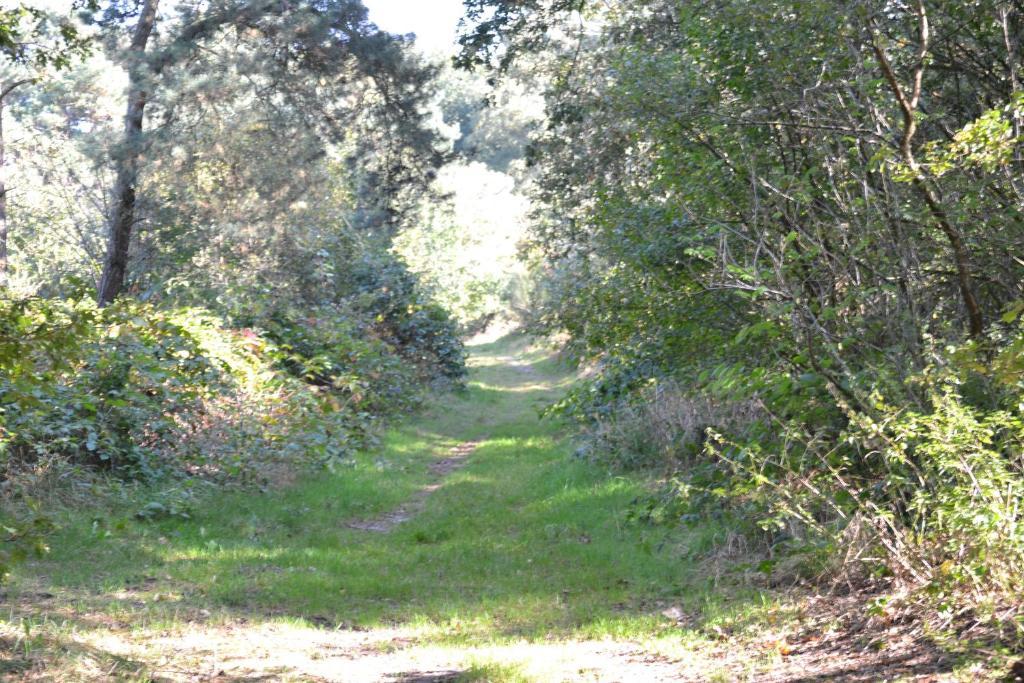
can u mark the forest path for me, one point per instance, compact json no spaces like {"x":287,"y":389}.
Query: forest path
{"x":440,"y":470}
{"x":471,"y":546}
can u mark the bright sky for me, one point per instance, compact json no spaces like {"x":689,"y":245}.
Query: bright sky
{"x":433,"y":21}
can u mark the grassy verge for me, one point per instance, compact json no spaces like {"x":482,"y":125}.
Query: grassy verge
{"x":521,"y":545}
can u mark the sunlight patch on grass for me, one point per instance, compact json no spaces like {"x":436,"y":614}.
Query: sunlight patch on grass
{"x":493,"y":672}
{"x":522,"y":545}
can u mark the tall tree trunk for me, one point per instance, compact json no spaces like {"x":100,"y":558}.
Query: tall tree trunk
{"x":3,"y":183}
{"x":122,"y":210}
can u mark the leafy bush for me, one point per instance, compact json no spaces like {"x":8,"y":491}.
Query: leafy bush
{"x":106,"y":388}
{"x":332,"y":348}
{"x":420,"y":330}
{"x":914,"y":484}
{"x":926,"y":499}
{"x":143,"y":391}
{"x":660,"y":425}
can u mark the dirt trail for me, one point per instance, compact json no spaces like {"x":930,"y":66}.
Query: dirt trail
{"x":278,"y":652}
{"x":403,"y":513}
{"x":467,"y":630}
{"x":245,"y":651}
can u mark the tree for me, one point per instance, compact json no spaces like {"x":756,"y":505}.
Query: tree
{"x":820,"y":150}
{"x":32,"y":36}
{"x":5,"y":90}
{"x":122,"y":212}
{"x":315,"y":56}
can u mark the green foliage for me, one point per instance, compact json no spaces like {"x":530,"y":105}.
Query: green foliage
{"x":144,"y":392}
{"x":135,"y":389}
{"x":423,"y":332}
{"x":325,"y":348}
{"x":934,"y":490}
{"x":106,"y":388}
{"x":263,"y":324}
{"x":752,"y":203}
{"x":23,"y":537}
{"x":987,"y":143}
{"x":30,"y":35}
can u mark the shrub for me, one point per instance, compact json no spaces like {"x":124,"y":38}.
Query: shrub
{"x":420,"y":330}
{"x":913,"y":484}
{"x":926,"y":498}
{"x":661,"y":425}
{"x":105,"y":388}
{"x":334,"y":349}
{"x":143,"y":392}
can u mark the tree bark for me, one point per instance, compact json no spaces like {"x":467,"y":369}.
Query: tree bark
{"x":122,"y":211}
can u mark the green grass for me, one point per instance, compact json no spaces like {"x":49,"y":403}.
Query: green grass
{"x":524,"y":543}
{"x":523,"y":547}
{"x":493,"y":672}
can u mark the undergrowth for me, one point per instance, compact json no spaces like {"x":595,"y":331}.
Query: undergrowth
{"x":909,"y":491}
{"x":179,"y":398}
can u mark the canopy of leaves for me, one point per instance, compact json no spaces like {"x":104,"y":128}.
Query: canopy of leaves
{"x":809,"y":215}
{"x":31,"y":35}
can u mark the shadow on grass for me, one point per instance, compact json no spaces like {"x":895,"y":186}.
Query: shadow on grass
{"x":550,"y":565}
{"x":522,"y":543}
{"x":21,"y":658}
